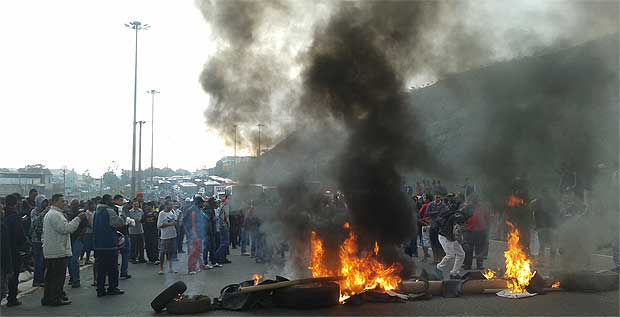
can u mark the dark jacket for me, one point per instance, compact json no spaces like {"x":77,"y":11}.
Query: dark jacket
{"x":6,"y":259}
{"x":79,"y":233}
{"x":15,"y":232}
{"x":105,"y":222}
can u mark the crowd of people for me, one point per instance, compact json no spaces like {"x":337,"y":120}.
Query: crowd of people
{"x":50,"y":237}
{"x":455,"y":227}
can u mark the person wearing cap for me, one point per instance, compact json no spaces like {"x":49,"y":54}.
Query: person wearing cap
{"x":140,"y":200}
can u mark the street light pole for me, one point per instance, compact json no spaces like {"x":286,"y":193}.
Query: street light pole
{"x":235,"y":166}
{"x":152,"y":92}
{"x":137,"y":26}
{"x":260,"y":125}
{"x":140,"y":158}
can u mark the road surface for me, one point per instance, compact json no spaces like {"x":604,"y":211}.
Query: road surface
{"x":146,"y":284}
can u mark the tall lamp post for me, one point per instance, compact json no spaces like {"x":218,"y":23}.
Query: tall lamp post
{"x":152,"y":92}
{"x":137,"y":26}
{"x":235,"y":165}
{"x":140,"y":157}
{"x":260,"y":125}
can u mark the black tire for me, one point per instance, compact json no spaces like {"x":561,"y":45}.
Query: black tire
{"x":306,"y":296}
{"x":171,"y":292}
{"x":589,"y":282}
{"x":194,"y":304}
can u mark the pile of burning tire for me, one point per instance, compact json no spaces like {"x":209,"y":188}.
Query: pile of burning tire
{"x":297,"y":294}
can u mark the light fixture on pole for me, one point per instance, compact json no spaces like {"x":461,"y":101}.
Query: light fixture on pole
{"x":152,"y":92}
{"x":137,"y":26}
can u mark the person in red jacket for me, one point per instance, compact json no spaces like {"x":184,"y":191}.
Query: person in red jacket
{"x":476,"y":235}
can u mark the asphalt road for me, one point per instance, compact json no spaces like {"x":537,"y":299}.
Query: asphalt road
{"x":146,"y":284}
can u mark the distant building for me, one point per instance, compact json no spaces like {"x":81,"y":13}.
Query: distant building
{"x":19,"y":181}
{"x":227,"y":168}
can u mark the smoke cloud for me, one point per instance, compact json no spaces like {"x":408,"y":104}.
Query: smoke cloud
{"x":345,"y":66}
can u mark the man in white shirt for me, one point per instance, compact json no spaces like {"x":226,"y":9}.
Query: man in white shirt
{"x":166,"y":223}
{"x":56,"y":240}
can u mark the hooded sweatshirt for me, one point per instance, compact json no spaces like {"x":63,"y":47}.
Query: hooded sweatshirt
{"x":36,"y":216}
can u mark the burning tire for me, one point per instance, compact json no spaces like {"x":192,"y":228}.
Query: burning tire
{"x":166,"y":296}
{"x":189,"y":304}
{"x":589,"y":282}
{"x":307,"y":295}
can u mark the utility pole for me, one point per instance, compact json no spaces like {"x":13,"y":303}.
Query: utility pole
{"x":101,"y":186}
{"x":152,"y":92}
{"x":64,"y":181}
{"x":140,"y":158}
{"x":137,"y":26}
{"x":260,"y":125}
{"x":235,"y":165}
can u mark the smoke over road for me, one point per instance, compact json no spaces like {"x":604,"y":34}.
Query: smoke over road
{"x":347,"y":65}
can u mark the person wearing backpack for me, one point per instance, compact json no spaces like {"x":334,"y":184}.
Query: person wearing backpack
{"x":451,"y":227}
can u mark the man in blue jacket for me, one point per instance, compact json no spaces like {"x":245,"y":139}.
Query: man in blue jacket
{"x":105,"y":223}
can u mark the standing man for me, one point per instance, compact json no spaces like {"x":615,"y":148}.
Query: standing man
{"x":18,"y":239}
{"x":119,"y":202}
{"x":26,"y":208}
{"x":36,"y":231}
{"x":546,"y":212}
{"x":195,"y":224}
{"x":105,"y":223}
{"x":77,"y":243}
{"x":432,"y":213}
{"x":57,"y":250}
{"x":151,"y":237}
{"x":166,"y":223}
{"x":476,"y":232}
{"x":180,"y":227}
{"x":137,"y":234}
{"x":450,"y":224}
{"x":224,"y":228}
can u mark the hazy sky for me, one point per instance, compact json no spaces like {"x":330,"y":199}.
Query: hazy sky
{"x":67,"y":84}
{"x":66,"y":72}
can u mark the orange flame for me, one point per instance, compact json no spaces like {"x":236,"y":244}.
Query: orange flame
{"x":514,"y":201}
{"x":555,"y":285}
{"x":317,"y":267}
{"x":488,"y":274}
{"x":257,"y":278}
{"x":518,"y":267}
{"x":361,"y":270}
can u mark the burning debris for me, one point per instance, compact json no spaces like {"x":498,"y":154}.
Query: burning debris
{"x":361,"y":269}
{"x":518,"y":267}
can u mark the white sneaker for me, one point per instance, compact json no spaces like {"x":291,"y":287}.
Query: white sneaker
{"x":192,"y":272}
{"x":217,"y":265}
{"x":209,"y":266}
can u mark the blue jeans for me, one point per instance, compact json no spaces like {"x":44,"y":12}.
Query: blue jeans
{"x":125,"y":253}
{"x":39,"y":262}
{"x":74,"y":262}
{"x":222,"y":250}
{"x":245,"y":239}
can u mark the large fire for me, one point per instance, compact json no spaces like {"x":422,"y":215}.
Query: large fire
{"x":518,"y":267}
{"x":361,"y":269}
